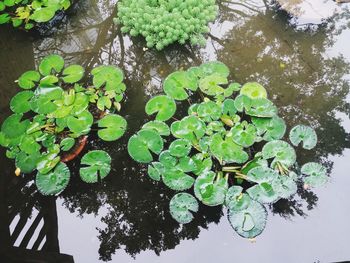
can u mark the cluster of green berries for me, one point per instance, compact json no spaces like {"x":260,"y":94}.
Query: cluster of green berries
{"x":163,"y":22}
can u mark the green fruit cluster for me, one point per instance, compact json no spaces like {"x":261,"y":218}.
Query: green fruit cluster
{"x":163,"y":22}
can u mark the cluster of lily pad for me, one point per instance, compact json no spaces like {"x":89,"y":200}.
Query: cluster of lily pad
{"x":53,"y":115}
{"x":27,"y":13}
{"x":228,"y":148}
{"x":165,"y":22}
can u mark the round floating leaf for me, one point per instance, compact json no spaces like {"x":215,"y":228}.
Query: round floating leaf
{"x":190,"y":127}
{"x":13,"y":126}
{"x":228,"y":107}
{"x":261,"y":174}
{"x":210,"y":85}
{"x":242,"y":102}
{"x":211,"y":189}
{"x":80,"y":104}
{"x":49,"y":63}
{"x":226,"y":150}
{"x":67,"y":144}
{"x":155,"y":170}
{"x":316,"y":174}
{"x":28,"y":79}
{"x":249,"y":222}
{"x":181,"y":206}
{"x":43,"y":14}
{"x":209,"y":111}
{"x":20,"y":102}
{"x":48,"y":160}
{"x":108,"y":76}
{"x":281,"y":152}
{"x":143,"y":143}
{"x":54,"y":182}
{"x":203,"y":165}
{"x":43,"y":100}
{"x":163,"y":105}
{"x":257,"y":161}
{"x":114,"y":127}
{"x":29,"y":145}
{"x":262,"y":108}
{"x":235,"y":199}
{"x":81,"y":123}
{"x":180,"y":147}
{"x":96,"y":165}
{"x":285,"y":186}
{"x":27,"y":162}
{"x":264,"y":193}
{"x":73,"y":73}
{"x":270,"y":128}
{"x":214,"y":67}
{"x":243,"y":134}
{"x":253,"y":90}
{"x":305,"y":134}
{"x":167,"y":159}
{"x":176,"y":179}
{"x":161,"y":127}
{"x":176,"y":83}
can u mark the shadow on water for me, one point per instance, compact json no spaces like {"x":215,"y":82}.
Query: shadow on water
{"x":257,"y":40}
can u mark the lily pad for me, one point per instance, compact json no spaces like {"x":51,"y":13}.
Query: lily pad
{"x":253,"y":90}
{"x":209,"y":111}
{"x":175,"y":85}
{"x":67,"y":144}
{"x":280,"y":151}
{"x":27,"y":162}
{"x":161,"y":127}
{"x":214,"y":67}
{"x":13,"y":126}
{"x":211,"y":188}
{"x":305,"y":134}
{"x":81,"y":123}
{"x":243,"y":134}
{"x":177,"y":180}
{"x":20,"y":102}
{"x":285,"y":186}
{"x":180,"y":147}
{"x":261,"y":174}
{"x":228,"y":108}
{"x":49,"y":63}
{"x":43,"y":100}
{"x":29,"y":79}
{"x":155,"y":170}
{"x":190,"y":127}
{"x":48,"y":160}
{"x":249,"y":222}
{"x":262,"y":108}
{"x":210,"y":85}
{"x":164,"y":106}
{"x":203,"y":164}
{"x":113,"y":127}
{"x":181,"y":206}
{"x":316,"y":174}
{"x":270,"y":128}
{"x":108,"y":77}
{"x":235,"y":199}
{"x":43,"y":14}
{"x":97,"y":166}
{"x":54,"y":182}
{"x":226,"y":150}
{"x":73,"y":73}
{"x":143,"y":143}
{"x":264,"y":193}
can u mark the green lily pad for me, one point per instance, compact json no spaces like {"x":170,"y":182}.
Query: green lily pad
{"x":81,"y":123}
{"x":226,"y":150}
{"x":177,"y":180}
{"x":253,"y":90}
{"x":175,"y":85}
{"x":114,"y":127}
{"x":285,"y":186}
{"x":180,"y":147}
{"x":73,"y":73}
{"x":181,"y":206}
{"x":228,"y":107}
{"x":67,"y":144}
{"x":54,"y":182}
{"x":20,"y":102}
{"x":80,"y":104}
{"x":305,"y":134}
{"x":48,"y":160}
{"x":49,"y":63}
{"x":203,"y":164}
{"x":209,"y":111}
{"x":263,"y":193}
{"x":164,"y":106}
{"x":257,"y":161}
{"x":143,"y":143}
{"x":108,"y":76}
{"x":167,"y":160}
{"x":262,"y":108}
{"x":43,"y":100}
{"x":97,"y":166}
{"x":249,"y":222}
{"x":242,"y":103}
{"x":210,"y":85}
{"x":215,"y":127}
{"x":43,"y":14}
{"x":28,"y":79}
{"x":161,"y":127}
{"x":27,"y":162}
{"x":316,"y":174}
{"x":262,"y":174}
{"x":155,"y":170}
{"x":270,"y":128}
{"x":280,"y":151}
{"x":13,"y":126}
{"x":210,"y":189}
{"x":243,"y":134}
{"x":214,"y":67}
{"x":48,"y":81}
{"x":190,"y":127}
{"x":29,"y":145}
{"x":235,"y":199}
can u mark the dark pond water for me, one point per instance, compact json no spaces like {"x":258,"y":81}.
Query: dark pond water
{"x":302,"y":58}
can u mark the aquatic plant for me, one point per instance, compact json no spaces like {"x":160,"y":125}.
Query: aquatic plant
{"x":27,"y":13}
{"x":53,"y":116}
{"x":227,"y":149}
{"x":165,"y":22}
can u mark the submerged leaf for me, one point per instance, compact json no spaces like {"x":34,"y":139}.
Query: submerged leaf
{"x":181,"y":206}
{"x":97,"y":166}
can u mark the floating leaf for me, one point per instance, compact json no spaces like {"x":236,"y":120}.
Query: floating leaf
{"x":13,"y":126}
{"x":285,"y":186}
{"x":209,"y":111}
{"x":316,"y":174}
{"x":253,"y":90}
{"x":175,"y":85}
{"x":281,"y":152}
{"x":67,"y":144}
{"x":270,"y":128}
{"x":257,"y":161}
{"x":236,"y":200}
{"x":211,"y":188}
{"x":29,"y":145}
{"x":210,"y":85}
{"x":226,"y":150}
{"x":43,"y":14}
{"x":108,"y":76}
{"x":191,"y":128}
{"x":28,"y":79}
{"x":164,"y":106}
{"x":249,"y":222}
{"x":212,"y":67}
{"x":114,"y":127}
{"x":181,"y":206}
{"x":81,"y":123}
{"x":27,"y":162}
{"x":180,"y":147}
{"x":49,"y":63}
{"x":228,"y":107}
{"x":262,"y":174}
{"x":48,"y":161}
{"x":20,"y":102}
{"x":73,"y":73}
{"x":243,"y":134}
{"x":203,"y":164}
{"x":161,"y":127}
{"x":262,"y":108}
{"x":305,"y":134}
{"x":143,"y":143}
{"x":43,"y":100}
{"x":177,"y":180}
{"x":263,"y":193}
{"x":54,"y":182}
{"x":97,"y":166}
{"x":155,"y":170}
